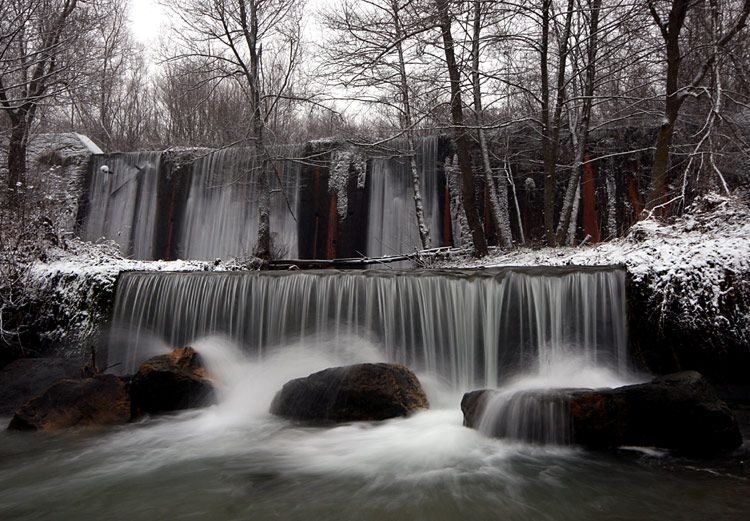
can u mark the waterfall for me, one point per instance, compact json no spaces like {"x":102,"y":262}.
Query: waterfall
{"x":392,"y":223}
{"x":122,"y":201}
{"x":136,"y":202}
{"x":537,"y":417}
{"x":471,"y":329}
{"x":221,"y":218}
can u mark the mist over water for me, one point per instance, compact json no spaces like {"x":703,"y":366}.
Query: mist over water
{"x":234,"y":460}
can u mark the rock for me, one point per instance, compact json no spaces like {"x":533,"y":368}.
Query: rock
{"x":88,"y":402}
{"x":171,"y":382}
{"x":362,"y":392}
{"x":27,"y":378}
{"x":681,"y":412}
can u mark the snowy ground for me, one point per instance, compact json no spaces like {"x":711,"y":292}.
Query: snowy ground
{"x":715,"y":233}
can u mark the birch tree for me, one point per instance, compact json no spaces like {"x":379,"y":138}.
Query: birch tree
{"x":580,"y":130}
{"x":498,"y":198}
{"x":460,"y":131}
{"x":372,"y":51}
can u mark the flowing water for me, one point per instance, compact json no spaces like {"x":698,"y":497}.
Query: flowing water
{"x":221,"y":216}
{"x":471,"y":328}
{"x":235,"y":461}
{"x":122,"y":197}
{"x":157,"y":205}
{"x":392,"y":227}
{"x":131,"y":201}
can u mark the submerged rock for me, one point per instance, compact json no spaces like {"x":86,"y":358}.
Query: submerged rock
{"x":362,"y":392}
{"x":171,"y":382}
{"x":27,"y":378}
{"x":88,"y":402}
{"x":681,"y":412}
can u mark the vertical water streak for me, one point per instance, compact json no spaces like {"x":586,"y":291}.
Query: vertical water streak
{"x":221,"y":218}
{"x":392,"y":223}
{"x":529,"y":416}
{"x":122,"y":198}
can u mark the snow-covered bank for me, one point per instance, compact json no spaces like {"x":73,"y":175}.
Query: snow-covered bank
{"x":73,"y":292}
{"x":690,"y":284}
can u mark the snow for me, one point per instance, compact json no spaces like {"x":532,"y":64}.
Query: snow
{"x":695,"y":266}
{"x":104,"y":263}
{"x":716,"y":232}
{"x":75,"y":288}
{"x":89,"y":145}
{"x":344,"y":161}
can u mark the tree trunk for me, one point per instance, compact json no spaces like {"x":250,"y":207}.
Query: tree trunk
{"x":573,"y":222}
{"x":551,"y":139}
{"x":424,"y":230}
{"x":547,"y":149}
{"x":250,"y":30}
{"x":498,"y":202}
{"x":672,"y":102}
{"x":508,"y":175}
{"x":17,"y":146}
{"x":583,"y":126}
{"x":459,"y":131}
{"x":660,"y":169}
{"x":611,"y":199}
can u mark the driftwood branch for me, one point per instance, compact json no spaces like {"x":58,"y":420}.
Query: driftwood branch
{"x":360,"y":262}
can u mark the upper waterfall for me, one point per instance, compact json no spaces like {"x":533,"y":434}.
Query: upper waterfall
{"x":204,"y":204}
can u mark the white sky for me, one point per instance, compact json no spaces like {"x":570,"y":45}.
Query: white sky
{"x":148,"y":19}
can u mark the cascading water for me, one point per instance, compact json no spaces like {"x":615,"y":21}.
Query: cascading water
{"x":122,"y":201}
{"x":133,"y":202}
{"x":392,"y":226}
{"x":221,"y":218}
{"x":235,"y":461}
{"x":469,"y":329}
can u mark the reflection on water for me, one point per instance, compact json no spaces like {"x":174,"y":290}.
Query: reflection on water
{"x":234,"y":461}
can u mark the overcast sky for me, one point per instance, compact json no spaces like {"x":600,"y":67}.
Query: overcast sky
{"x":148,"y":18}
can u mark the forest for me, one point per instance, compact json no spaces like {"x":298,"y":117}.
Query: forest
{"x":534,"y":93}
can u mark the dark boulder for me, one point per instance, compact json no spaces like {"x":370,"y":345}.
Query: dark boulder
{"x":88,"y":402}
{"x":171,"y":382}
{"x":27,"y":378}
{"x":681,"y":412}
{"x":362,"y":392}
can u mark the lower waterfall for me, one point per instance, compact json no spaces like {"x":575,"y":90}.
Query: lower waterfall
{"x":469,"y":329}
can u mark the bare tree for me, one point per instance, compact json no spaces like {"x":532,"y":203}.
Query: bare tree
{"x":369,"y":50}
{"x":670,"y":25}
{"x":460,"y":130}
{"x":40,"y":57}
{"x":498,"y":201}
{"x":255,"y":43}
{"x":580,"y":130}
